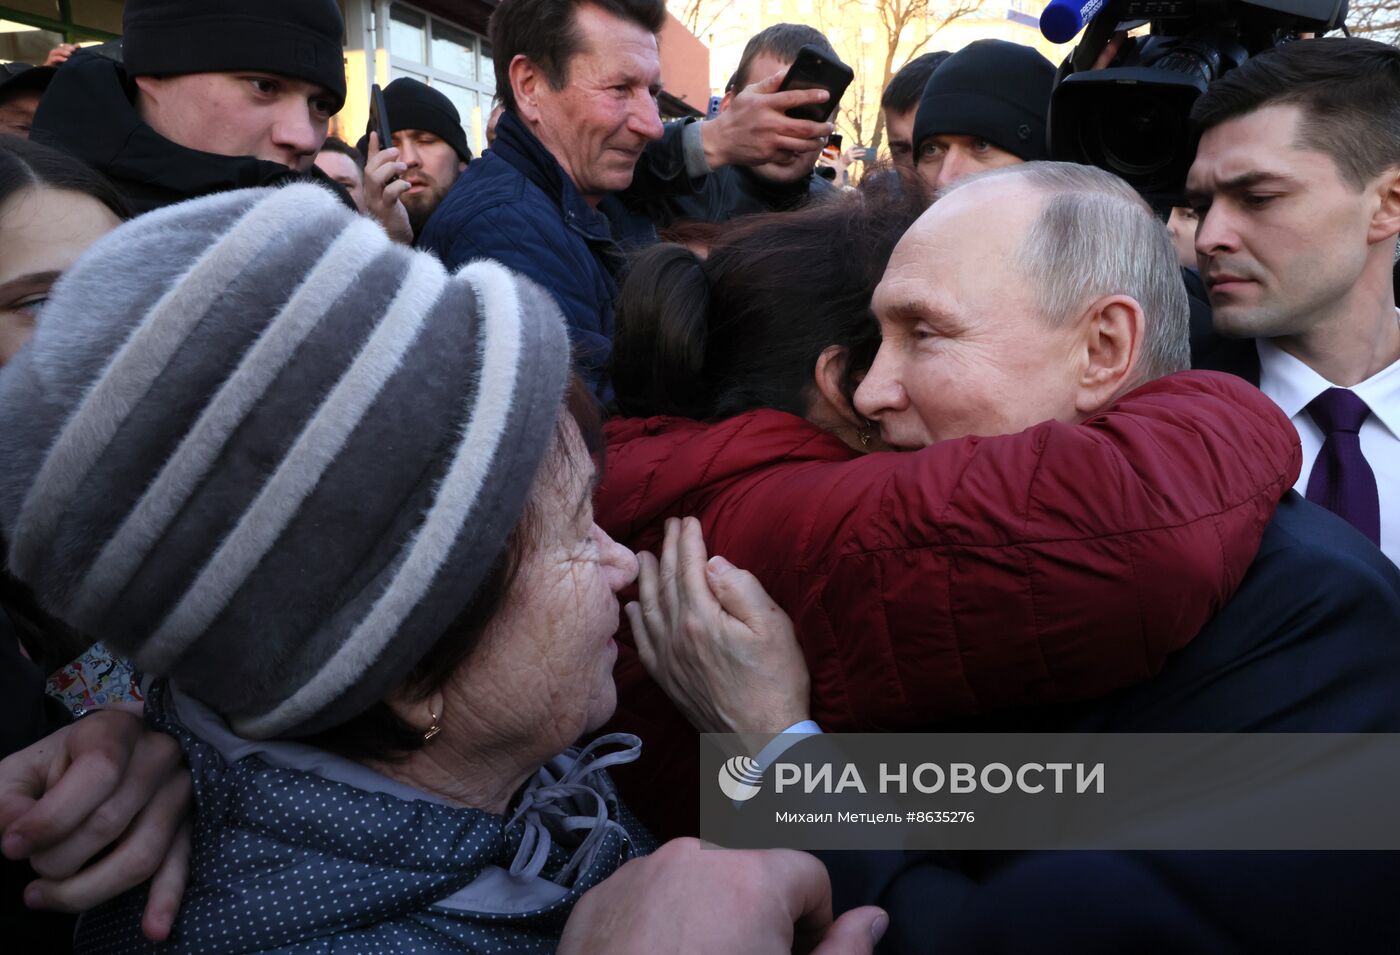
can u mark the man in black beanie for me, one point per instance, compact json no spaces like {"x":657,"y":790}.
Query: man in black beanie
{"x":210,"y":95}
{"x":429,"y":152}
{"x":983,"y":108}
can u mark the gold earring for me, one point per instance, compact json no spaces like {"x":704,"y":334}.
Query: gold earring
{"x":865,"y":434}
{"x":434,"y":728}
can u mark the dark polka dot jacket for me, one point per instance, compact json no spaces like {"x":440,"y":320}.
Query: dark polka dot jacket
{"x":299,"y":851}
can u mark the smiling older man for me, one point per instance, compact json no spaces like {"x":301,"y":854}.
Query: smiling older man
{"x":1046,"y":291}
{"x":579,"y":80}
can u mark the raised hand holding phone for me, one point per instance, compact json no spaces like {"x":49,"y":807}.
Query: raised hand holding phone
{"x":757,"y":125}
{"x":383,"y":186}
{"x":812,"y":70}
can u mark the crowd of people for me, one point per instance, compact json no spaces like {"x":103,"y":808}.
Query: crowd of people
{"x":393,"y":472}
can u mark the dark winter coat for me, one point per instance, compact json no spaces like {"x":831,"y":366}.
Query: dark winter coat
{"x":299,"y":851}
{"x":728,"y":192}
{"x":517,"y":205}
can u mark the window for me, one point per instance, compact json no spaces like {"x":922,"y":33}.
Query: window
{"x":30,"y":28}
{"x":104,"y":15}
{"x":454,"y":51}
{"x":408,"y":35}
{"x":26,"y":44}
{"x":38,"y":8}
{"x":453,"y":61}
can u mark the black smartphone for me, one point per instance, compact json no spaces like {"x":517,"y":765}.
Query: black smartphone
{"x":811,"y":70}
{"x":379,"y":117}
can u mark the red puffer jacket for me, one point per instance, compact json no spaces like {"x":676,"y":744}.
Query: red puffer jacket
{"x":1055,"y":564}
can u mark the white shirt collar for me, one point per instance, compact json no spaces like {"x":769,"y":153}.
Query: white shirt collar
{"x":1381,"y":392}
{"x":1293,"y":385}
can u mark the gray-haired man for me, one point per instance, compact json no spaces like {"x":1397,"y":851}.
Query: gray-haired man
{"x":1045,"y":291}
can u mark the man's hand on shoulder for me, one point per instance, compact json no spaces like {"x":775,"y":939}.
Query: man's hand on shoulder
{"x":771,"y":902}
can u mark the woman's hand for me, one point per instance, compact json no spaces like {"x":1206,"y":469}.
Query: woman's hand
{"x":708,"y":632}
{"x":691,"y":898}
{"x":384,"y":190}
{"x":105,"y":781}
{"x":60,"y":54}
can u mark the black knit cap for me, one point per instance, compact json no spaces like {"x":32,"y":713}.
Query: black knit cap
{"x":296,"y":38}
{"x":994,"y":90}
{"x":415,"y":105}
{"x":22,"y":76}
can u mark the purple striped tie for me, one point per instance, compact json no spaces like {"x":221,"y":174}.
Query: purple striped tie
{"x":1341,"y":480}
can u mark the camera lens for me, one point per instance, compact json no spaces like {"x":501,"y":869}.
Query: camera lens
{"x":1137,"y":132}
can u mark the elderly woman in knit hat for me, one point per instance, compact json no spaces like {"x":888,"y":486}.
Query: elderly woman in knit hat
{"x":338,"y":501}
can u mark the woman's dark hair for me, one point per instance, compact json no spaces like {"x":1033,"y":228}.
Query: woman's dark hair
{"x":334,"y":144}
{"x":743,"y":328}
{"x":24,"y":164}
{"x":381,"y":734}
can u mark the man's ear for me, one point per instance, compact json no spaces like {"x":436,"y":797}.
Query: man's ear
{"x":727,"y":99}
{"x":526,"y":82}
{"x":1113,"y":331}
{"x":151,"y":87}
{"x":1385,"y":223}
{"x":831,"y":370}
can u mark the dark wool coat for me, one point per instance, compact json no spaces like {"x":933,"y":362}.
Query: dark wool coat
{"x":516,"y":205}
{"x":974,"y":575}
{"x":299,"y":851}
{"x":728,"y":192}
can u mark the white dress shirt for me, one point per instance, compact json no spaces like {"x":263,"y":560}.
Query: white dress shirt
{"x":1292,"y":385}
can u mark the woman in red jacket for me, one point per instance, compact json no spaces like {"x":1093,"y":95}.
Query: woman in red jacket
{"x":979,"y":574}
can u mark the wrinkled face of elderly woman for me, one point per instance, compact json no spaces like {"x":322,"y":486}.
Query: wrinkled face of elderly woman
{"x":542,"y":673}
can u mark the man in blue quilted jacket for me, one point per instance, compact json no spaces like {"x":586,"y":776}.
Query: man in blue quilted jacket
{"x":579,"y":82}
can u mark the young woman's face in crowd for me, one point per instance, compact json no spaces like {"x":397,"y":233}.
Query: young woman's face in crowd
{"x":42,"y":232}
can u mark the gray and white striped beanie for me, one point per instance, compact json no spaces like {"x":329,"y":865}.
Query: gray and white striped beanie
{"x":271,"y":454}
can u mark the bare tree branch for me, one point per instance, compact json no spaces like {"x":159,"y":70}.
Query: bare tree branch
{"x":906,"y":28}
{"x":898,"y":30}
{"x":1375,"y":19}
{"x":700,"y":16}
